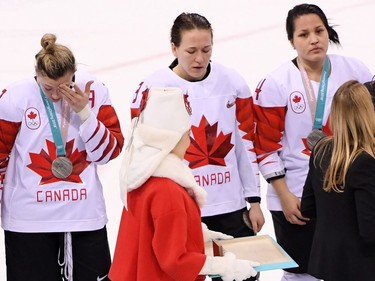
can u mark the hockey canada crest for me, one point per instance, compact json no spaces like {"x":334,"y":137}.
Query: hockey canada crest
{"x":297,"y":102}
{"x":32,"y":118}
{"x":212,"y":147}
{"x":41,"y":163}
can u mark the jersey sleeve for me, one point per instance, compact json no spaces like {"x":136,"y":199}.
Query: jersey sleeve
{"x":245,"y":153}
{"x":363,"y":72}
{"x":102,"y":133}
{"x":10,"y":122}
{"x":269,"y":113}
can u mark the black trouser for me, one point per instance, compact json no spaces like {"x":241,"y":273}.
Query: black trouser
{"x":34,"y":256}
{"x":295,"y":239}
{"x":231,"y":224}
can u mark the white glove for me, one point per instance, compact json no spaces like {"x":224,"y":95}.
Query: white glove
{"x":238,"y":270}
{"x":228,"y":267}
{"x":209,"y":235}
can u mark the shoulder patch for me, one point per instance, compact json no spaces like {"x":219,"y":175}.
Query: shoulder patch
{"x":32,"y":118}
{"x":297,"y":102}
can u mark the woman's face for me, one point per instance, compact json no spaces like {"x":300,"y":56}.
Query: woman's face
{"x":193,"y":54}
{"x":50,"y":86}
{"x":310,"y":38}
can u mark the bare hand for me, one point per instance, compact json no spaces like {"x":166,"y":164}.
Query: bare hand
{"x":76,"y":99}
{"x":291,"y":207}
{"x":256,"y":217}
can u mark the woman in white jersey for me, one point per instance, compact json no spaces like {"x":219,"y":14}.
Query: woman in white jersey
{"x":55,"y":129}
{"x":291,"y":107}
{"x":221,"y":153}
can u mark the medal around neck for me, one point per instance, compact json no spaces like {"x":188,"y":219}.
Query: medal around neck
{"x":314,"y":137}
{"x":62,"y":167}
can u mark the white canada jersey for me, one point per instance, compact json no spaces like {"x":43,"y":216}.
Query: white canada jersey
{"x":34,"y":200}
{"x":221,"y":154}
{"x":284,"y":121}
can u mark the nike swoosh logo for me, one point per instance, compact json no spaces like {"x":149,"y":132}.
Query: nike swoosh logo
{"x":230,"y":104}
{"x":101,"y":278}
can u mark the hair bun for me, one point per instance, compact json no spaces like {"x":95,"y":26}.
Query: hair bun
{"x":48,"y":41}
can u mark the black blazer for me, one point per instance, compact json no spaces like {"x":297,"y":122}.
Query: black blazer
{"x":344,"y":240}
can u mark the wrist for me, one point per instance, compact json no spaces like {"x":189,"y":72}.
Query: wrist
{"x":84,"y":114}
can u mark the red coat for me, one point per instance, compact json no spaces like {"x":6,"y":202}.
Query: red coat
{"x":160,"y":236}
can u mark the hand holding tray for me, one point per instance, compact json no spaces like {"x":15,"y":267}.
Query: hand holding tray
{"x":262,"y":249}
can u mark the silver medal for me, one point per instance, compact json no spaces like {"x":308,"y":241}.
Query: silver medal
{"x":314,"y":137}
{"x":62,"y":167}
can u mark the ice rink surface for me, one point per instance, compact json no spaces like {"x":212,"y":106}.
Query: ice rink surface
{"x":123,"y":41}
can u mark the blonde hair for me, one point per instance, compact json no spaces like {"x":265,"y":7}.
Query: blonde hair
{"x":54,"y":60}
{"x":352,"y":121}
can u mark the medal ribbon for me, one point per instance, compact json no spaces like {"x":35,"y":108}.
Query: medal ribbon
{"x":65,"y":119}
{"x":53,"y":122}
{"x":318,"y":104}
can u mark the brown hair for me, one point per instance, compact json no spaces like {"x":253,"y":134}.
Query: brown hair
{"x":352,"y":120}
{"x":54,"y":60}
{"x":188,"y":21}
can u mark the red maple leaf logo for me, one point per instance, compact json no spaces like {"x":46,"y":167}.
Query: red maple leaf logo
{"x":32,"y":115}
{"x":207,"y":147}
{"x":41,"y":163}
{"x":296,"y":99}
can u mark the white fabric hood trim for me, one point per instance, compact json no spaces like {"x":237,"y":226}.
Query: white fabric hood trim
{"x":149,"y":155}
{"x":173,"y":168}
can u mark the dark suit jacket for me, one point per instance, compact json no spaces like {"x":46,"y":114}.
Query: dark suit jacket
{"x":344,"y":240}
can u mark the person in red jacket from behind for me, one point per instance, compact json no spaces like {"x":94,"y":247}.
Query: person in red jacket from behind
{"x":160,"y":236}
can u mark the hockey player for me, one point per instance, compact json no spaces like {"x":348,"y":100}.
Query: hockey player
{"x":55,"y":129}
{"x":221,"y":153}
{"x":291,"y":108}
